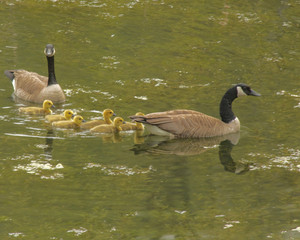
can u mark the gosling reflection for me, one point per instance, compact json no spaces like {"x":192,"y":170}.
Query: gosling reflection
{"x":138,"y":137}
{"x":111,"y":137}
{"x":188,"y":147}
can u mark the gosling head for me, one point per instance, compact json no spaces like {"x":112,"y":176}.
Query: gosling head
{"x":78,"y":120}
{"x":108,"y":113}
{"x":49,"y":50}
{"x":245,"y":90}
{"x":140,"y":114}
{"x":118,"y":121}
{"x":47,"y":104}
{"x":68,"y":114}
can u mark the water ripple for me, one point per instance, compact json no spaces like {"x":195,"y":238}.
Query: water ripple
{"x":36,"y":167}
{"x":119,"y":170}
{"x":78,"y":232}
{"x":31,"y":136}
{"x":156,"y":81}
{"x":78,"y":91}
{"x":291,"y":161}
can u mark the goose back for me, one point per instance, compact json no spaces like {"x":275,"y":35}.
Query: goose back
{"x":186,"y":124}
{"x":32,"y":87}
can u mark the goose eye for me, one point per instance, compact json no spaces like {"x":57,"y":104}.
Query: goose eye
{"x":246,"y":89}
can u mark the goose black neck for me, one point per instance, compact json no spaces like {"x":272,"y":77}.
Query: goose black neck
{"x":225,"y":106}
{"x":51,"y":73}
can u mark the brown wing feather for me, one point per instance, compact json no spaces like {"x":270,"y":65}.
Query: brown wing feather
{"x":189,"y":125}
{"x":175,"y":112}
{"x":33,"y":87}
{"x":29,"y":82}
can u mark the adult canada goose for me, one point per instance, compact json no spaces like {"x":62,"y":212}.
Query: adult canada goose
{"x":107,"y":114}
{"x":33,"y":87}
{"x":193,"y":124}
{"x":47,"y":104}
{"x":75,"y":123}
{"x":68,"y":114}
{"x":133,"y":126}
{"x":109,"y":128}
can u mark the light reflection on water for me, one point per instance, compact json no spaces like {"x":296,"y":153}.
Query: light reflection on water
{"x":157,"y":145}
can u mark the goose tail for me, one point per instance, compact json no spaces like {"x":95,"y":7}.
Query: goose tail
{"x":9,"y":74}
{"x":138,"y":118}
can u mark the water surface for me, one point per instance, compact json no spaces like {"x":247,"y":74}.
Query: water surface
{"x":152,"y":56}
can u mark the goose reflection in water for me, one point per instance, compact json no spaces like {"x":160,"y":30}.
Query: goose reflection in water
{"x":188,"y":147}
{"x":49,"y":145}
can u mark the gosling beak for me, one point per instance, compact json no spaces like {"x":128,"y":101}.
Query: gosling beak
{"x":124,"y":122}
{"x":52,"y":106}
{"x":114,"y":114}
{"x":73,"y":115}
{"x":83,"y":120}
{"x":253,"y":93}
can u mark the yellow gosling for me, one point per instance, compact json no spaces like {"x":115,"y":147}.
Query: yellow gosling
{"x":47,"y":104}
{"x":133,"y":126}
{"x":68,"y":114}
{"x":108,"y":128}
{"x":71,"y":124}
{"x":107,"y":114}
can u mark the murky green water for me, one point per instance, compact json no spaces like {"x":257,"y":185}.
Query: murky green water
{"x":152,"y":56}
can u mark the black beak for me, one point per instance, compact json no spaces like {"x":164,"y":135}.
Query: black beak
{"x":253,"y":93}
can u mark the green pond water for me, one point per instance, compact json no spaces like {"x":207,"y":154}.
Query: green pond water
{"x":149,"y":56}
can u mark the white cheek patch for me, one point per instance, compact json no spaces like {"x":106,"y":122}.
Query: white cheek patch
{"x":240,"y":92}
{"x":14,"y":84}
